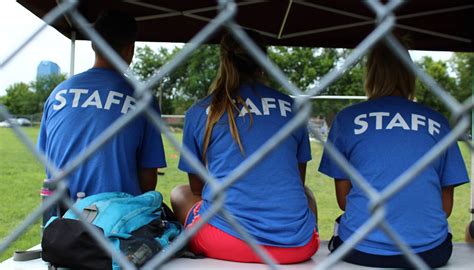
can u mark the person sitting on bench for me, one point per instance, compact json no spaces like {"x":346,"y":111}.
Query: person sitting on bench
{"x":81,"y":108}
{"x":382,"y":138}
{"x":270,"y":201}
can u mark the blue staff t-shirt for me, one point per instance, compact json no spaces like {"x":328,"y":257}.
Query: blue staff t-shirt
{"x":77,"y":112}
{"x":269,"y":200}
{"x":382,"y":138}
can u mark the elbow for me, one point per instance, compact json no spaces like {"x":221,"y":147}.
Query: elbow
{"x":147,"y":179}
{"x":148,"y":184}
{"x":342,"y":204}
{"x":448,"y":212}
{"x":149,"y":187}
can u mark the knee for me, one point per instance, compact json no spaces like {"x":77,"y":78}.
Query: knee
{"x":179,"y":194}
{"x":469,"y":235}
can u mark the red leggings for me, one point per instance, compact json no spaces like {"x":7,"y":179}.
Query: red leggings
{"x":214,"y":243}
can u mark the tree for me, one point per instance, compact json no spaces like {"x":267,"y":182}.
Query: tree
{"x":148,"y":62}
{"x":463,"y":66}
{"x":25,"y":99}
{"x":438,"y":70}
{"x":20,"y":100}
{"x":192,"y":79}
{"x":303,"y":66}
{"x":44,"y":85}
{"x":188,"y":83}
{"x":306,"y":66}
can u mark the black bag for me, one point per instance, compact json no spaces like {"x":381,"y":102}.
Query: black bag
{"x":66,"y":243}
{"x":139,"y":227}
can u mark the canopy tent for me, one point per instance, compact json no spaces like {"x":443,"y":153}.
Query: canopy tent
{"x":430,"y":24}
{"x":437,"y":25}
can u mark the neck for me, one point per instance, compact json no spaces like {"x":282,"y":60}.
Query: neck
{"x":397,"y":93}
{"x":102,"y":63}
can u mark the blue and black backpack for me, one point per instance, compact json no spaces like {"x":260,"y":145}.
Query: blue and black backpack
{"x":138,"y":226}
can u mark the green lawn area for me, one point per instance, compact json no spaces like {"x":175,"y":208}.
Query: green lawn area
{"x":21,"y":179}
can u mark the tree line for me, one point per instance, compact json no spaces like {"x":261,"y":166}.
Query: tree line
{"x":303,"y":66}
{"x":28,"y":98}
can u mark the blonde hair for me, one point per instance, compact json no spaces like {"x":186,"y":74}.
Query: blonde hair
{"x":236,"y":67}
{"x":385,"y":75}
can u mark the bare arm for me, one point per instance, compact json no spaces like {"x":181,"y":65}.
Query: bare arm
{"x":343,"y":186}
{"x":147,"y":177}
{"x":308,"y":193}
{"x":196,"y":184}
{"x":302,"y":168}
{"x":447,"y":195}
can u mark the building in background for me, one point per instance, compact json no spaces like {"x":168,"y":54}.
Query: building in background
{"x":47,"y":68}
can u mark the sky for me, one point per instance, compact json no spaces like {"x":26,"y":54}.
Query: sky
{"x":17,"y":24}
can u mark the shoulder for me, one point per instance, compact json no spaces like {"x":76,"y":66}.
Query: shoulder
{"x":431,"y":113}
{"x":264,"y":97}
{"x":199,"y":107}
{"x":354,"y":109}
{"x":83,"y":76}
{"x":267,"y":91}
{"x":73,"y":81}
{"x":108,"y":76}
{"x":98,"y":79}
{"x":392,"y":112}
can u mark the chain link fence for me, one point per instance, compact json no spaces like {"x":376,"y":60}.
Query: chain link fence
{"x":385,"y":19}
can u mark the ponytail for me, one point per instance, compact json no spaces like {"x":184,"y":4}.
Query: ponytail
{"x":236,"y":67}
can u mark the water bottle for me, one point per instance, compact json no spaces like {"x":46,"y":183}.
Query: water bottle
{"x":80,"y":195}
{"x":53,"y":210}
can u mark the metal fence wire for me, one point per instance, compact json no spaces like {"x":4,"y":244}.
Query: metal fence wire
{"x":225,"y":19}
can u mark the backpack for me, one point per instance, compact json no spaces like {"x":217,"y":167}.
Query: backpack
{"x":138,"y":226}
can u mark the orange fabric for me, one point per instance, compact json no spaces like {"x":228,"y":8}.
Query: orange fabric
{"x":214,"y":243}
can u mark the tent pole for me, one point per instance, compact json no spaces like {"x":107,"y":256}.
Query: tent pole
{"x":469,"y":236}
{"x":472,"y":141}
{"x":73,"y":53}
{"x":283,"y":23}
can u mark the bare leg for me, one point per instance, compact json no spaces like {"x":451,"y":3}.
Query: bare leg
{"x":182,"y":200}
{"x":311,"y":202}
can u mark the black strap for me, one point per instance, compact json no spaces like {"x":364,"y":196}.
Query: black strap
{"x":471,"y":229}
{"x":26,"y":255}
{"x":331,"y":244}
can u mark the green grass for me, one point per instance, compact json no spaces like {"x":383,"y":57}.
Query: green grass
{"x":20,"y":183}
{"x":21,"y":179}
